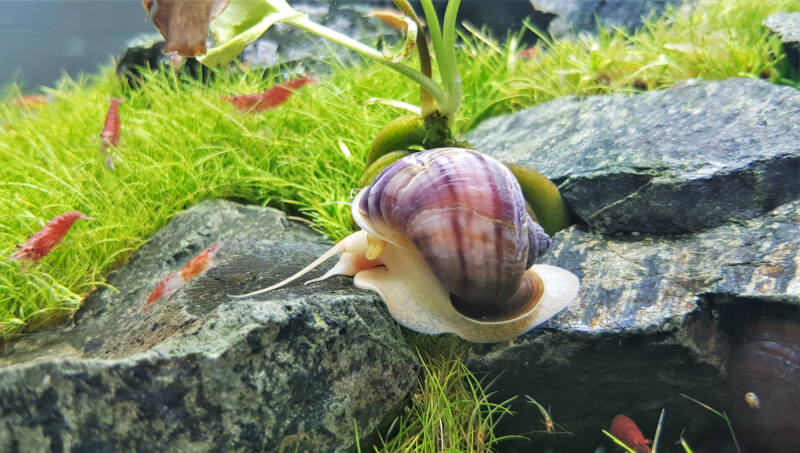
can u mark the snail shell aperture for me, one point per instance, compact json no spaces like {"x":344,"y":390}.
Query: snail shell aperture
{"x":448,"y":245}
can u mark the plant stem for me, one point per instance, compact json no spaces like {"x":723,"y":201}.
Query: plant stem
{"x":448,"y":66}
{"x":425,"y":82}
{"x":444,"y":47}
{"x":427,"y":104}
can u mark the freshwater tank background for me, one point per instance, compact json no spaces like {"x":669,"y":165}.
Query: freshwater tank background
{"x":41,"y":39}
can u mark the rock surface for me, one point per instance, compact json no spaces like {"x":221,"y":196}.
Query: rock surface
{"x":583,"y":15}
{"x":657,"y":313}
{"x":655,"y":317}
{"x":291,"y":370}
{"x":661,"y":162}
{"x":787,"y":26}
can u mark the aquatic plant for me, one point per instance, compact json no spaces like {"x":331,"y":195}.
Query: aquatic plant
{"x":722,"y":415}
{"x":551,"y":428}
{"x":236,"y":24}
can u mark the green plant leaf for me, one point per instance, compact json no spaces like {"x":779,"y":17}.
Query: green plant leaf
{"x":242,"y":22}
{"x":619,"y":442}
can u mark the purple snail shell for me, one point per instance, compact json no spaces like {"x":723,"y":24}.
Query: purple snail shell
{"x":764,"y":385}
{"x":448,"y":245}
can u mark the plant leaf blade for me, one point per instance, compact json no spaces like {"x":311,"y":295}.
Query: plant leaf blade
{"x":243,"y":22}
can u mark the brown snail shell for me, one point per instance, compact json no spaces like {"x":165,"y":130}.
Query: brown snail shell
{"x":764,"y":384}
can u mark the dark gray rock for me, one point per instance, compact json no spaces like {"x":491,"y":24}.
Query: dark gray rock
{"x":292,"y":370}
{"x":655,"y":317}
{"x":787,"y":25}
{"x":145,"y":51}
{"x":658,"y":312}
{"x":670,"y":161}
{"x":583,"y":15}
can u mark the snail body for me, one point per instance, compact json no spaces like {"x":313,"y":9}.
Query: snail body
{"x":448,"y":245}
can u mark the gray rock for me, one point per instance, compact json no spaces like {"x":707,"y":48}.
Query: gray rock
{"x":291,"y":370}
{"x":787,"y":25}
{"x":655,"y":317}
{"x":583,"y":15}
{"x":671,"y":161}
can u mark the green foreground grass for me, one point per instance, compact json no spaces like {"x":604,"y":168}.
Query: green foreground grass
{"x":451,"y":410}
{"x":182,"y":143}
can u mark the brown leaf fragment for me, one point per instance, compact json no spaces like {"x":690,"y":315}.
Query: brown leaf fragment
{"x":148,"y":6}
{"x":390,"y":17}
{"x":184,"y":23}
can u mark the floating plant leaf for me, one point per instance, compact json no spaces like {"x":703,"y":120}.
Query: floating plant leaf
{"x":405,"y":24}
{"x":184,"y":23}
{"x":391,"y":17}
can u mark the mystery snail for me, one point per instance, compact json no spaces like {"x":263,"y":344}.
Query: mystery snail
{"x":448,"y":245}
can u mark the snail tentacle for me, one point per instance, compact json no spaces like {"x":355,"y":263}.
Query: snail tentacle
{"x":352,"y":248}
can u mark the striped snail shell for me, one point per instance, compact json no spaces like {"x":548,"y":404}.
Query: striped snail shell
{"x":466,"y":215}
{"x":447,"y":243}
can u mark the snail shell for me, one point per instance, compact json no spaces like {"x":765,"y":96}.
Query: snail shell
{"x":448,"y":245}
{"x":766,"y":365}
{"x":466,"y":215}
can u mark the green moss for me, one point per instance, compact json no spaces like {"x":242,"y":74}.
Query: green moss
{"x":181,"y":143}
{"x":451,"y":410}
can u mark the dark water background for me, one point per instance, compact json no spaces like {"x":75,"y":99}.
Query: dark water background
{"x":40,"y":39}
